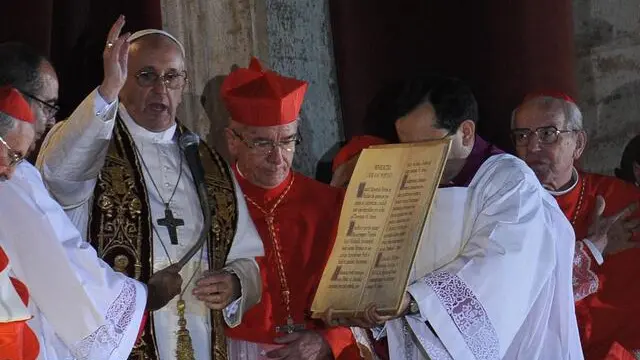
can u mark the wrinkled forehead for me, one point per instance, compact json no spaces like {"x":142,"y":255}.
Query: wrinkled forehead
{"x":155,"y":52}
{"x":272,"y":132}
{"x":534,"y":114}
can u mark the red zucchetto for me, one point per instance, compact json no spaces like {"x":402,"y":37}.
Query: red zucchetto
{"x":550,"y":93}
{"x":258,"y":97}
{"x":14,"y":104}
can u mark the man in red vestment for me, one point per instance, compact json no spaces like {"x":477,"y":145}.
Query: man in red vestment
{"x":548,"y":134}
{"x":296,"y":218}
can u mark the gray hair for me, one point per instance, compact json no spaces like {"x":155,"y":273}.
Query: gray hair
{"x":7,"y":123}
{"x":572,"y":114}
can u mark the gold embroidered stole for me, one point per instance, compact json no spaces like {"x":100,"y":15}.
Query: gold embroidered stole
{"x":120,"y":224}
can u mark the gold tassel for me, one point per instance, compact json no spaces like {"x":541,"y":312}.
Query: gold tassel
{"x":219,"y":340}
{"x":184,"y":348}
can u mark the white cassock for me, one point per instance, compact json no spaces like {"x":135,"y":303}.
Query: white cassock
{"x":493,"y":276}
{"x":81,"y":308}
{"x":73,"y":154}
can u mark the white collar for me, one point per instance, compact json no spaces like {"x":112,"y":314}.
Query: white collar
{"x":138,"y":131}
{"x":574,"y":180}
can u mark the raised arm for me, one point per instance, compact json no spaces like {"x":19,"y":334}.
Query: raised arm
{"x":73,"y":152}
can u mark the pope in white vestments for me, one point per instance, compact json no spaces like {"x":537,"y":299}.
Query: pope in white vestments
{"x":80,"y":164}
{"x":492,"y":278}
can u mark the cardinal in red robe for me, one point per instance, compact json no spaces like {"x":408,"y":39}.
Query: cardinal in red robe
{"x":295,"y":215}
{"x":548,"y":134}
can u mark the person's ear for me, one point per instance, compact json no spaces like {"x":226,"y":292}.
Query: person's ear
{"x":468,"y":130}
{"x":636,"y":171}
{"x":581,"y":144}
{"x":232,"y":142}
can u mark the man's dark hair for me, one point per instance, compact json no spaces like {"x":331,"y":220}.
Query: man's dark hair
{"x":20,"y":67}
{"x":380,"y":117}
{"x":630,"y":156}
{"x":451,"y":99}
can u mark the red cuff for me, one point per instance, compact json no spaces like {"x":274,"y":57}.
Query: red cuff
{"x":342,"y":343}
{"x":618,"y":352}
{"x":143,"y":323}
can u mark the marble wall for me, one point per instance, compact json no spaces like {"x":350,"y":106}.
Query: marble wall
{"x":290,"y":37}
{"x":607,"y":40}
{"x":293,"y":38}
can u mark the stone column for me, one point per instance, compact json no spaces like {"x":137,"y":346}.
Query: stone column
{"x":608,"y":73}
{"x":300,"y":46}
{"x":217,"y":35}
{"x":290,"y":37}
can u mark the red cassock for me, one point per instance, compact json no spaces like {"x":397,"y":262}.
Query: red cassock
{"x":305,"y":225}
{"x":17,"y":341}
{"x":608,"y":309}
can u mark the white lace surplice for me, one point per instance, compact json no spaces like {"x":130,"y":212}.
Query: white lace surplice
{"x":493,"y":274}
{"x":82,"y":308}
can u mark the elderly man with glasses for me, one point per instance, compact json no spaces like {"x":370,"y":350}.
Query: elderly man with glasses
{"x":24,"y":69}
{"x":117,"y":168}
{"x":492,"y":277}
{"x":296,"y":217}
{"x":548,"y":135}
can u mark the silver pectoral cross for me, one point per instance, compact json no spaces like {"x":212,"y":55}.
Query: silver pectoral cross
{"x":290,"y":328}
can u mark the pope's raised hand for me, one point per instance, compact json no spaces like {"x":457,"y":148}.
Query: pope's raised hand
{"x":115,"y":57}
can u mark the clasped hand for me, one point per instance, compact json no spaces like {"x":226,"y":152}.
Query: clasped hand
{"x":217,"y":289}
{"x":307,"y":345}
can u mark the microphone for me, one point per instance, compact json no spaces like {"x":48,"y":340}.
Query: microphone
{"x":189,"y":143}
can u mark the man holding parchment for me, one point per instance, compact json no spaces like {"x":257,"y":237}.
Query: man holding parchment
{"x":495,"y":283}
